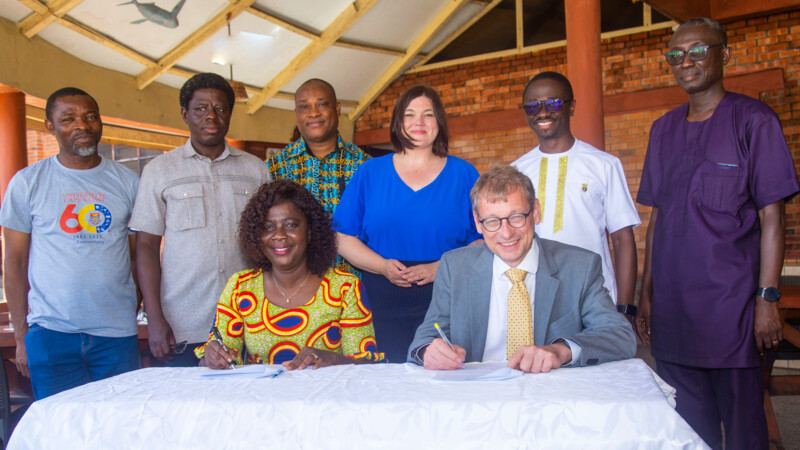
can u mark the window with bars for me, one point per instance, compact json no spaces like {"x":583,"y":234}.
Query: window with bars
{"x":134,"y":158}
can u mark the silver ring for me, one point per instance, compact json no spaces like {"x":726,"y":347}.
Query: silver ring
{"x":316,"y":357}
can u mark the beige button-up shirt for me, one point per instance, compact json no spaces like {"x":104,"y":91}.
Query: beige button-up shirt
{"x":195,"y":204}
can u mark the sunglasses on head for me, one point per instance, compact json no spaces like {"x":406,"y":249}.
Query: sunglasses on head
{"x":698,"y":53}
{"x":552,"y":105}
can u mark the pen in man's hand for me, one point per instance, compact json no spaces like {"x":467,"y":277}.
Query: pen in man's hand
{"x":218,"y":337}
{"x":444,"y":338}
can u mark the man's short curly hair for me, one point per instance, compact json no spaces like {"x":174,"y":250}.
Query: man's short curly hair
{"x":321,"y":249}
{"x":205,"y":81}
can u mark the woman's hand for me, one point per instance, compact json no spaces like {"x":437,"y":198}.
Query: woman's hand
{"x":316,"y":358}
{"x":421,"y":273}
{"x":217,"y":357}
{"x":394,"y":271}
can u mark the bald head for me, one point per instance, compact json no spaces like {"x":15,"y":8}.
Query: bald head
{"x":318,"y":83}
{"x":317,"y":113}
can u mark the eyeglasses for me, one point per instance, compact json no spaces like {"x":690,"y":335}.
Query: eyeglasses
{"x":698,"y":53}
{"x":553,"y":105}
{"x":516,"y":220}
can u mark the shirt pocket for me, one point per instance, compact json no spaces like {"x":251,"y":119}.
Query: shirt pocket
{"x":242,"y":191}
{"x":185,"y":207}
{"x":720,"y":186}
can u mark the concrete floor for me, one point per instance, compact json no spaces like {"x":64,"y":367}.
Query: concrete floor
{"x":786,"y":407}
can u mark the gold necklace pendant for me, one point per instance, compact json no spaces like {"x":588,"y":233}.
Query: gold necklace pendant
{"x":289,"y":297}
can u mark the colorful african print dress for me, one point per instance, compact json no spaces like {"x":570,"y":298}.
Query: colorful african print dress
{"x":336,"y":319}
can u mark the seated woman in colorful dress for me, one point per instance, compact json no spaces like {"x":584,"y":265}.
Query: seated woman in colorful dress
{"x":293,"y":308}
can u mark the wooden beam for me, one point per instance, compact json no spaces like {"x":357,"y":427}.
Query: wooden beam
{"x":37,"y":6}
{"x":331,"y":34}
{"x":308,"y":34}
{"x":488,"y":6}
{"x":728,"y":10}
{"x":369,"y":48}
{"x":296,"y":29}
{"x":105,"y":41}
{"x":400,"y":63}
{"x":681,"y":10}
{"x":520,"y":28}
{"x":191,"y":42}
{"x":41,"y":18}
{"x":534,"y":48}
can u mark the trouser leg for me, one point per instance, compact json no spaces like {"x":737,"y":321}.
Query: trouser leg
{"x":55,"y":361}
{"x":695,"y":399}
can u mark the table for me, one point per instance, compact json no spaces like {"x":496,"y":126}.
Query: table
{"x":613,"y":405}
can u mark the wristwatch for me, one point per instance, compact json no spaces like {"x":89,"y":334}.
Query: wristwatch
{"x":628,"y":310}
{"x":769,"y":294}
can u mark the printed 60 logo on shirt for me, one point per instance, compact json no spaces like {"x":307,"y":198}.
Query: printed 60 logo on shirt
{"x":94,"y":218}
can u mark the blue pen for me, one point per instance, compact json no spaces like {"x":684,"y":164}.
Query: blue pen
{"x":218,"y":337}
{"x":444,"y":338}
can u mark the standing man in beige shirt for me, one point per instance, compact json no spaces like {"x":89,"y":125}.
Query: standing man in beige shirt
{"x":191,"y":197}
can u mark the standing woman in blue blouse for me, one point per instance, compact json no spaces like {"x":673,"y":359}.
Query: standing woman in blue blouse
{"x":400,"y":212}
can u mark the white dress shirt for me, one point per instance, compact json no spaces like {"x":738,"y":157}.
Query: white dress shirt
{"x":497,"y":330}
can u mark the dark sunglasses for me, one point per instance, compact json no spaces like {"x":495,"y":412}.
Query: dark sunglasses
{"x":553,"y":105}
{"x":698,"y":53}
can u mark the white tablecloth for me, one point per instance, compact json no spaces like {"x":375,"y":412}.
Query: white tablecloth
{"x":614,"y":405}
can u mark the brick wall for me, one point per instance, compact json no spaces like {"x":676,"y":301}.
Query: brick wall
{"x":40,"y":146}
{"x":630,"y":63}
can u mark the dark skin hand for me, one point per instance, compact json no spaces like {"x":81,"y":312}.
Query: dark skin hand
{"x":625,"y":267}
{"x":220,"y":358}
{"x":646,"y":299}
{"x":148,"y":269}
{"x":16,"y":246}
{"x":767,"y":326}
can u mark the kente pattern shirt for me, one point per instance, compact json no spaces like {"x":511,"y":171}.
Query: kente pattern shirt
{"x":337,"y":319}
{"x":326,"y":178}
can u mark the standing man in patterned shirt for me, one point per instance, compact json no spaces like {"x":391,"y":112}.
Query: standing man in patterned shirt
{"x":320,"y":160}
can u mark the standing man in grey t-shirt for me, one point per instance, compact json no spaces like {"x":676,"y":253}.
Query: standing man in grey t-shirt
{"x":191,"y":198}
{"x":67,"y":256}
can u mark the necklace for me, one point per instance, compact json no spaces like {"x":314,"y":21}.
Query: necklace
{"x":289,"y":297}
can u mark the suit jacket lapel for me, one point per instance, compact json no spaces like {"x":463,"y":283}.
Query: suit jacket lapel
{"x":544,"y":297}
{"x":479,"y":288}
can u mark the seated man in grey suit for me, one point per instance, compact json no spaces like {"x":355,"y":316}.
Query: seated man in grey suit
{"x":481,"y":294}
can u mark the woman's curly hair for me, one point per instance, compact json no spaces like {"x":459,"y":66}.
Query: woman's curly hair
{"x":321,"y":249}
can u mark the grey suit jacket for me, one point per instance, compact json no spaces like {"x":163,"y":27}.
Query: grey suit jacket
{"x":570,"y":302}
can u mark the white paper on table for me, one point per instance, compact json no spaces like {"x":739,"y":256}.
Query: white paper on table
{"x":244,"y":372}
{"x":479,"y":372}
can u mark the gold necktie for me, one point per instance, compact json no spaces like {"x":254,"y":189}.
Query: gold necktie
{"x":520,"y":324}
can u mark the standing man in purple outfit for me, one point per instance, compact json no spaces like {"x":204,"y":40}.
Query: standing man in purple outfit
{"x":717,"y":174}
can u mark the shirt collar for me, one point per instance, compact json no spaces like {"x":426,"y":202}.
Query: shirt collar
{"x":299,"y":146}
{"x":187,"y":151}
{"x":530,"y":263}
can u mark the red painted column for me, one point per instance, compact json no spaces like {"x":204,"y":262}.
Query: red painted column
{"x":13,"y":146}
{"x":585,"y":69}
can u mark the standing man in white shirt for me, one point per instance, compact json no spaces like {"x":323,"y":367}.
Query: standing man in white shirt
{"x":582,"y":191}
